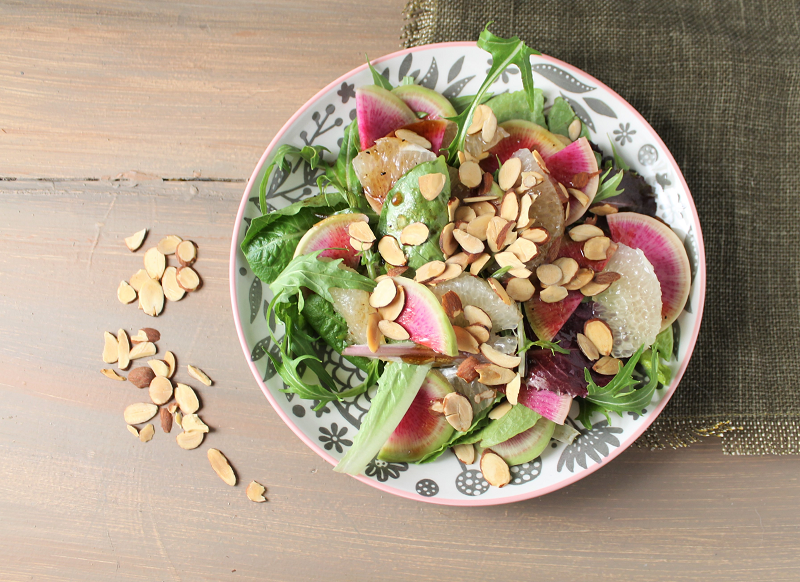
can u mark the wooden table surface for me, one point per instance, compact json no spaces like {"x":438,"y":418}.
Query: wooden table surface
{"x":181,"y":99}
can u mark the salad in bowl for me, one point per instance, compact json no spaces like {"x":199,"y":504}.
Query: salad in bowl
{"x":498,"y":282}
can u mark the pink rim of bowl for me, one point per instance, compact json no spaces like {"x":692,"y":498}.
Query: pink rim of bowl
{"x":472,"y":502}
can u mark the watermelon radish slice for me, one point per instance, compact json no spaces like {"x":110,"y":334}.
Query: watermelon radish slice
{"x":527,"y":445}
{"x":576,"y":167}
{"x":425,"y":320}
{"x":547,"y":319}
{"x":551,"y":405}
{"x":439,"y":132}
{"x":379,"y":112}
{"x":572,"y":249}
{"x":522,"y":135}
{"x":422,"y":99}
{"x":332,"y":234}
{"x":422,"y":430}
{"x":666,"y":253}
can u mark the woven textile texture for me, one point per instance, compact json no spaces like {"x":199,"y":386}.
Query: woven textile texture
{"x":720,"y":83}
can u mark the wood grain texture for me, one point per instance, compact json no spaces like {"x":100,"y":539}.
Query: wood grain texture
{"x":82,"y":499}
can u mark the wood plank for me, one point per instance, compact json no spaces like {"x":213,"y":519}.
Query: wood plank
{"x":81,"y":499}
{"x":175,"y":89}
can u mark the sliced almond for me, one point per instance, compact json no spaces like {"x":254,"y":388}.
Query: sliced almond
{"x":141,"y":377}
{"x":151,"y":298}
{"x":414,"y":234}
{"x":166,"y":420}
{"x":468,"y":242}
{"x":221,"y":466}
{"x":549,"y":274}
{"x":437,"y":406}
{"x":465,"y":453}
{"x":531,"y":179}
{"x":457,"y":411}
{"x":123,"y":350}
{"x":135,"y":241}
{"x":451,"y":271}
{"x":169,"y":283}
{"x":143,"y":350}
{"x":582,"y":198}
{"x":495,"y":470}
{"x":198,"y":375}
{"x":447,"y":242}
{"x":160,"y":390}
{"x":520,"y":290}
{"x":169,"y":358}
{"x":465,"y":340}
{"x":178,"y":416}
{"x":125,"y":293}
{"x":159,"y":367}
{"x":186,"y":399}
{"x":584,"y":232}
{"x":477,"y":316}
{"x":537,"y":234}
{"x":553,"y":294}
{"x":587,"y":347}
{"x":600,"y":335}
{"x":138,"y":279}
{"x":482,"y":208}
{"x":431,"y":185}
{"x":499,"y":358}
{"x":190,"y":440}
{"x":192,"y":422}
{"x":465,"y":213}
{"x":607,"y":366}
{"x":138,"y":338}
{"x":506,"y":236}
{"x":110,"y":348}
{"x":359,"y":245}
{"x":501,"y":292}
{"x":603,"y":209}
{"x":393,"y":330}
{"x":466,"y":369}
{"x":186,"y":253}
{"x":569,"y":268}
{"x":172,"y":407}
{"x":452,"y":206}
{"x":607,"y":277}
{"x":108,"y":373}
{"x":540,"y":161}
{"x":478,"y":118}
{"x":396,"y":271}
{"x":360,"y":230}
{"x":373,"y":332}
{"x":512,"y":390}
{"x":150,"y":335}
{"x":154,"y":263}
{"x":383,"y":294}
{"x":451,"y":303}
{"x":140,"y":412}
{"x":489,"y":128}
{"x":524,"y":249}
{"x":574,"y":129}
{"x":524,"y":220}
{"x":133,"y":430}
{"x":509,"y":209}
{"x":188,"y":279}
{"x":392,"y":311}
{"x":508,"y":259}
{"x":496,"y":226}
{"x":470,"y":174}
{"x":500,"y":411}
{"x":429,"y":270}
{"x":582,"y":277}
{"x":593,"y":288}
{"x":494,"y":375}
{"x":255,"y":491}
{"x":391,"y":252}
{"x":509,"y":173}
{"x":478,"y":226}
{"x":480,"y":333}
{"x":482,"y":198}
{"x":146,"y":434}
{"x":479,"y":263}
{"x":489,"y":394}
{"x":168,"y":244}
{"x":412,"y":137}
{"x":595,"y":249}
{"x":486,"y":184}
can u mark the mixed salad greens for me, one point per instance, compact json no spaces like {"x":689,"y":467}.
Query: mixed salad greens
{"x":481,"y":262}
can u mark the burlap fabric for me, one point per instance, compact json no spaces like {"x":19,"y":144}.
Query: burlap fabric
{"x":719,"y":80}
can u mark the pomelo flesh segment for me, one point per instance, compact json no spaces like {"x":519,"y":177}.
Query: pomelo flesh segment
{"x":422,"y":99}
{"x":422,"y":430}
{"x":571,"y":166}
{"x":425,"y":320}
{"x":332,"y":234}
{"x":379,"y":113}
{"x":522,"y":135}
{"x":666,"y":253}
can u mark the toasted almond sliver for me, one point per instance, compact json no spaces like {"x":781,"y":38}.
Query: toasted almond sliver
{"x":413,"y":137}
{"x":509,"y":173}
{"x":429,"y":270}
{"x":160,"y":390}
{"x":360,"y":230}
{"x":430,"y":185}
{"x":524,"y":219}
{"x":168,"y":244}
{"x":481,"y":198}
{"x":500,"y":411}
{"x":451,"y":271}
{"x":569,"y":267}
{"x":138,"y":279}
{"x":574,"y":129}
{"x":540,"y":161}
{"x":495,"y":470}
{"x":536,"y":234}
{"x":581,"y":278}
{"x":470,"y":174}
{"x":135,"y":241}
{"x":172,"y":407}
{"x":188,"y":279}
{"x":360,"y":245}
{"x":466,"y":370}
{"x":151,"y":298}
{"x":125,"y":293}
{"x":508,"y":259}
{"x":391,"y":252}
{"x":393,"y":330}
{"x":478,"y":119}
{"x":465,"y":213}
{"x":501,"y":292}
{"x":414,"y":234}
{"x":520,"y":290}
{"x":146,"y":434}
{"x":595,"y":249}
{"x":451,"y":303}
{"x":458,"y":411}
{"x":520,"y":273}
{"x":603,"y":209}
{"x":169,"y":284}
{"x":123,"y":350}
{"x":499,"y":358}
{"x":598,"y":332}
{"x":483,"y":207}
{"x":549,"y":274}
{"x":133,"y":430}
{"x":523,"y":249}
{"x":509,"y":209}
{"x":480,"y":333}
{"x":607,"y":366}
{"x":192,"y":422}
{"x":166,"y":420}
{"x":143,"y":350}
{"x":383,"y":294}
{"x":190,"y":439}
{"x":452,"y":206}
{"x":146,"y":334}
{"x":159,"y":367}
{"x":186,"y":253}
{"x":154,"y":263}
{"x":109,"y":373}
{"x":198,"y":375}
{"x":141,"y":376}
{"x":468,"y":242}
{"x":392,"y":311}
{"x":169,"y":358}
{"x":489,"y":127}
{"x":466,"y":341}
{"x":593,"y":288}
{"x":178,"y":416}
{"x":477,"y":316}
{"x":512,"y":390}
{"x":221,"y":466}
{"x":140,"y":412}
{"x":582,"y":198}
{"x":496,"y":226}
{"x":186,"y":398}
{"x":494,"y":375}
{"x":479,"y":263}
{"x":553,"y":294}
{"x":465,"y":453}
{"x":478,"y":226}
{"x":447,"y":242}
{"x":373,"y":332}
{"x":587,"y":347}
{"x":110,"y":348}
{"x":255,"y":492}
{"x":584,"y":232}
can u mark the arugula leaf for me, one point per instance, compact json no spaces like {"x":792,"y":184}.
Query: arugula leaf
{"x":544,"y":344}
{"x":617,"y":395}
{"x":341,"y":173}
{"x":407,"y":80}
{"x":619,"y":163}
{"x":377,"y":78}
{"x":311,"y":154}
{"x":332,"y":328}
{"x":587,"y":410}
{"x":318,"y":276}
{"x":608,"y":185}
{"x":664,"y":343}
{"x":500,"y":272}
{"x":397,"y":388}
{"x":560,"y":117}
{"x":663,"y":371}
{"x":514,"y":105}
{"x":519,"y":419}
{"x":461,"y":102}
{"x":413,"y":207}
{"x":505,"y":52}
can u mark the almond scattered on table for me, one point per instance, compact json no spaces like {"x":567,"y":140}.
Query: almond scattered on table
{"x":190,"y":440}
{"x":255,"y":492}
{"x":146,"y":434}
{"x":109,"y":373}
{"x":221,"y":466}
{"x":198,"y":375}
{"x":135,"y":241}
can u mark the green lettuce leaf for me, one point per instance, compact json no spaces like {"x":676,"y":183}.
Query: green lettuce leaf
{"x":663,"y":371}
{"x":519,"y":419}
{"x":544,"y":344}
{"x":514,"y":105}
{"x":462,"y":102}
{"x":377,"y":78}
{"x":664,"y":344}
{"x":332,"y":328}
{"x":311,"y":154}
{"x":341,"y":174}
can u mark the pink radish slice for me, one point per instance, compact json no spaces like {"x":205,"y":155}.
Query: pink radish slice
{"x":550,"y":405}
{"x":379,"y":113}
{"x":522,"y":135}
{"x":571,"y":166}
{"x":333,"y":235}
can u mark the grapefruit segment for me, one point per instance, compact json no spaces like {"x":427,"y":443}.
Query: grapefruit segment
{"x":379,"y":112}
{"x":332,"y":234}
